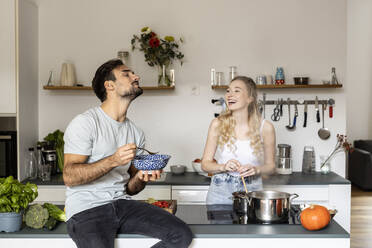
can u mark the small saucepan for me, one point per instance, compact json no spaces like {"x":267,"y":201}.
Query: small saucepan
{"x":266,"y":206}
{"x":301,"y":80}
{"x":178,"y":169}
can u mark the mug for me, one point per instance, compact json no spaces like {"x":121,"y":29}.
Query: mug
{"x":261,"y":80}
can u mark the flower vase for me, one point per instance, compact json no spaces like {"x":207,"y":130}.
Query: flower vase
{"x":325,"y":164}
{"x":163,"y":77}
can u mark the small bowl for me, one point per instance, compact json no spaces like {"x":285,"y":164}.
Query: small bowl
{"x":151,"y":162}
{"x":178,"y":169}
{"x":301,"y":80}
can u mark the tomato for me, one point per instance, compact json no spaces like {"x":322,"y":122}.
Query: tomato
{"x":161,"y":204}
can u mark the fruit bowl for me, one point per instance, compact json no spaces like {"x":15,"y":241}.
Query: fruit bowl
{"x":151,"y":162}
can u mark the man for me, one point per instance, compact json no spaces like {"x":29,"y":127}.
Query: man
{"x":99,"y":147}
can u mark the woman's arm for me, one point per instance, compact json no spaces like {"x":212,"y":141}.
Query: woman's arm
{"x":269,"y":140}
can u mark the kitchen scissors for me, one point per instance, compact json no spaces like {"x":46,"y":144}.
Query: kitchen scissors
{"x":276,"y":114}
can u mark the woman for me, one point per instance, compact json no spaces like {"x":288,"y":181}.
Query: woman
{"x":242,"y":142}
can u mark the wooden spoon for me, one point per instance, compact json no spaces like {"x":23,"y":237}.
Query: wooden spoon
{"x":245,"y":186}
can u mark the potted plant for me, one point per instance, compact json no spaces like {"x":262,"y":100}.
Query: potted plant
{"x":57,"y":138}
{"x":158,"y":52}
{"x":14,"y":199}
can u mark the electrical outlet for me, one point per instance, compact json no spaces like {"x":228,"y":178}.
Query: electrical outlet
{"x":195,"y":90}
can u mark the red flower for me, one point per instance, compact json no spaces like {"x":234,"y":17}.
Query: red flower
{"x":152,"y":34}
{"x":154,"y":42}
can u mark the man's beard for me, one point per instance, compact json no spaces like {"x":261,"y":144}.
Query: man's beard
{"x":133,"y":93}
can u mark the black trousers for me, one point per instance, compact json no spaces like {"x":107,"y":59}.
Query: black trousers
{"x":97,"y":227}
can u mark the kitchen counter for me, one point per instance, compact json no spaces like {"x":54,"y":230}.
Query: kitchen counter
{"x":205,"y":235}
{"x":196,"y":217}
{"x":192,"y":178}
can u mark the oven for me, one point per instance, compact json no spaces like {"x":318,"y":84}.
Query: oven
{"x":8,"y":153}
{"x":8,"y":147}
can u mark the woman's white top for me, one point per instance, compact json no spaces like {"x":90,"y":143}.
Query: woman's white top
{"x":243,"y":153}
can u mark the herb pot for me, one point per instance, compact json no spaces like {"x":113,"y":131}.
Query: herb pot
{"x":10,"y":222}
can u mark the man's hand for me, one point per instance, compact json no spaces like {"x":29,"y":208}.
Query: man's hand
{"x":124,"y":154}
{"x":146,"y":176}
{"x":248,"y":170}
{"x":232,"y":165}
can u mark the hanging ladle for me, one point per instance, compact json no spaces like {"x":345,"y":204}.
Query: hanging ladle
{"x":293,"y":127}
{"x":323,"y":132}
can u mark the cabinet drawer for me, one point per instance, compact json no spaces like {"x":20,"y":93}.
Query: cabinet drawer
{"x":52,"y":194}
{"x":158,"y":192}
{"x":306,"y":193}
{"x":190,"y":194}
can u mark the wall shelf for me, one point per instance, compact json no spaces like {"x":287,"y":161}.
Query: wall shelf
{"x":288,"y":86}
{"x":90,"y":88}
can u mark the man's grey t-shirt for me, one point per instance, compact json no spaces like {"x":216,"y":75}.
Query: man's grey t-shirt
{"x":98,"y":136}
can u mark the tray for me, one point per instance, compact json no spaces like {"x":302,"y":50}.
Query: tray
{"x":172,"y":205}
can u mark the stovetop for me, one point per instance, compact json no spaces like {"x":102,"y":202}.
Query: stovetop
{"x":228,"y":216}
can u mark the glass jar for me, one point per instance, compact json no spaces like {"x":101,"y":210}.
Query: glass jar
{"x":325,"y":168}
{"x":232,"y":73}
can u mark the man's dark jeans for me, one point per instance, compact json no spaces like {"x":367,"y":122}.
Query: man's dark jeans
{"x":97,"y":227}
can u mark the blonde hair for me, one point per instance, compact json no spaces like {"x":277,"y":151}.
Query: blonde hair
{"x":227,"y":123}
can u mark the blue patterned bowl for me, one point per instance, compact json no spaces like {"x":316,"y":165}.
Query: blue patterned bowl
{"x":151,"y":162}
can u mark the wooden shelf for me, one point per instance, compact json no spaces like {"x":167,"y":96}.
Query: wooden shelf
{"x":90,"y":88}
{"x":288,"y":86}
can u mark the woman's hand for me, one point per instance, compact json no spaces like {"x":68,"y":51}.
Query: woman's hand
{"x":248,"y":170}
{"x":232,"y":165}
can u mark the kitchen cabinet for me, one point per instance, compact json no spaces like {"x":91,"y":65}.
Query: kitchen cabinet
{"x":57,"y":193}
{"x":8,"y":58}
{"x":189,"y":195}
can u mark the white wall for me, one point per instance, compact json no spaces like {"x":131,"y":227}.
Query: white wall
{"x":27,"y":112}
{"x":359,"y":69}
{"x":305,"y":37}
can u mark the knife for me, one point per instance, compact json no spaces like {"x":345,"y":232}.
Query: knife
{"x":331,"y":102}
{"x":305,"y":114}
{"x":317,"y":109}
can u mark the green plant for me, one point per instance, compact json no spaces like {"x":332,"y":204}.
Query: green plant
{"x":157,"y":51}
{"x":57,"y":138}
{"x":51,"y":223}
{"x":36,"y":216}
{"x":15,"y":196}
{"x":55,"y":212}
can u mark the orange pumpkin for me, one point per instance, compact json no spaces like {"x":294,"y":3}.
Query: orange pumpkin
{"x":315,"y":217}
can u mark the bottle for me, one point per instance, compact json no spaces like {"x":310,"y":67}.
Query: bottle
{"x":213,"y":76}
{"x":333,"y":76}
{"x":123,"y":56}
{"x":40,"y":161}
{"x":31,"y":164}
{"x":279,"y":76}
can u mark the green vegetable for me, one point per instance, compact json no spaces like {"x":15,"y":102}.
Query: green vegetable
{"x":55,"y":212}
{"x":51,"y":223}
{"x":36,"y":216}
{"x":57,"y":138}
{"x":15,"y":196}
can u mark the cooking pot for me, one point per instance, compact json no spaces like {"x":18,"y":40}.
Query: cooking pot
{"x":266,"y":206}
